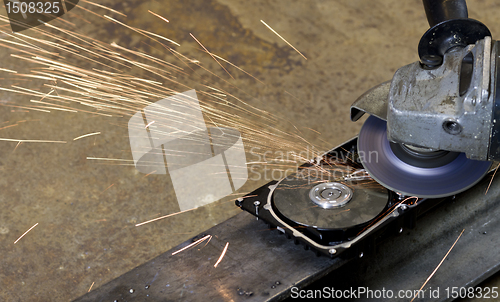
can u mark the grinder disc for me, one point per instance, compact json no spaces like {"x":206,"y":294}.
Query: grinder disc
{"x":415,"y":179}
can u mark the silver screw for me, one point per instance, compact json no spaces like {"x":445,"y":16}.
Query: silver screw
{"x":332,"y":251}
{"x":256,"y":203}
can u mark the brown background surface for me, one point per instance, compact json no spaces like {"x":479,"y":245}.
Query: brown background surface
{"x":86,"y":233}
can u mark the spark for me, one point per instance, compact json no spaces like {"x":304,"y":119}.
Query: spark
{"x":105,"y":7}
{"x":222,"y":255}
{"x":149,"y":174}
{"x":121,"y":94}
{"x":79,"y":17}
{"x":8,"y":70}
{"x":193,"y":244}
{"x":205,"y":243}
{"x":439,"y":265}
{"x":52,"y":90}
{"x":105,"y":158}
{"x":142,"y":32}
{"x":240,"y":69}
{"x":283,"y":39}
{"x":31,"y":141}
{"x":25,"y":233}
{"x":192,"y":36}
{"x":107,"y":188}
{"x":17,"y":145}
{"x":64,"y":7}
{"x":149,"y":124}
{"x":292,"y":95}
{"x":158,"y":16}
{"x":489,"y":185}
{"x":317,"y":132}
{"x":162,"y":217}
{"x":158,"y":36}
{"x":91,"y":287}
{"x":86,"y":135}
{"x":8,"y":126}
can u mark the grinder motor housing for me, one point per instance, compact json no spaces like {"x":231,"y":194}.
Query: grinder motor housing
{"x":448,"y":100}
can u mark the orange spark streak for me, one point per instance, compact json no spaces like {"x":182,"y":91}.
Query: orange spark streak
{"x":78,"y":17}
{"x":314,"y":131}
{"x":149,"y":174}
{"x":192,"y":244}
{"x":85,"y":135}
{"x":283,"y":39}
{"x":206,"y":243}
{"x":439,"y":264}
{"x":235,"y":66}
{"x":64,"y":6}
{"x":149,"y":124}
{"x":105,"y":7}
{"x":8,"y":70}
{"x":162,"y":217}
{"x":222,"y":255}
{"x":489,"y":185}
{"x":9,"y":126}
{"x":30,"y":141}
{"x":292,"y":95}
{"x":107,"y":188}
{"x":25,"y":233}
{"x":105,"y":158}
{"x":91,"y":287}
{"x":158,"y":16}
{"x":52,"y":90}
{"x":62,"y":20}
{"x":142,"y":32}
{"x":18,"y":144}
{"x":210,"y":54}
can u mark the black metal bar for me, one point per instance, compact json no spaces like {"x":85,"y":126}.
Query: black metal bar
{"x":259,"y":265}
{"x":438,"y":11}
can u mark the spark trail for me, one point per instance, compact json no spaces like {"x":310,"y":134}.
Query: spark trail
{"x":84,"y":75}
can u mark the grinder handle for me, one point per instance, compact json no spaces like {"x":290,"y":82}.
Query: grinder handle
{"x":438,"y":11}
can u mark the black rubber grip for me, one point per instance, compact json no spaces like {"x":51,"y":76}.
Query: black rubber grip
{"x":438,"y":11}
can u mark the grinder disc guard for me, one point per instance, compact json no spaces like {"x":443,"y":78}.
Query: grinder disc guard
{"x":385,"y":167}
